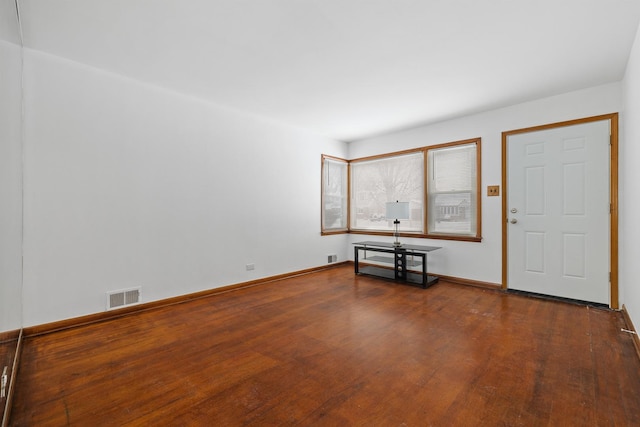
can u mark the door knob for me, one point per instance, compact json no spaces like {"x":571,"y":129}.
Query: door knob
{"x":513,"y":221}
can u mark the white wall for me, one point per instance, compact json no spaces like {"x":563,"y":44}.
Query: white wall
{"x":9,"y":28}
{"x":127,"y":184}
{"x":10,"y":185}
{"x":482,"y":261}
{"x":629,"y":192}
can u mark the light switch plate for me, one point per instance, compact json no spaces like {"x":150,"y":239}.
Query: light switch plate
{"x":493,"y":190}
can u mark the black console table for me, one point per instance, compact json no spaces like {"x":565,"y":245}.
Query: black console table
{"x":406,"y":260}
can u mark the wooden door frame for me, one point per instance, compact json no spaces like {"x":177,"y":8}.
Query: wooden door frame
{"x":613,"y":196}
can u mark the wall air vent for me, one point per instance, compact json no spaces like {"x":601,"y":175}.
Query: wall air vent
{"x":123,"y":298}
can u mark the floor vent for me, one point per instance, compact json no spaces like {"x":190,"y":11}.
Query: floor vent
{"x":123,"y":298}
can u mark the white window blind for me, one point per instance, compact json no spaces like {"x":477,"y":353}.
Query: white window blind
{"x":452,"y":190}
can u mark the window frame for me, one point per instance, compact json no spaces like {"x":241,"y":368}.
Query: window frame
{"x":478,"y":195}
{"x":425,"y":196}
{"x":342,"y":230}
{"x":382,"y":157}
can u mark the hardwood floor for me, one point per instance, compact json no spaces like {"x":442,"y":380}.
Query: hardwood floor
{"x":333,"y":349}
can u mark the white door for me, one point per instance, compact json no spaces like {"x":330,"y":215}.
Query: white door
{"x":558,"y":211}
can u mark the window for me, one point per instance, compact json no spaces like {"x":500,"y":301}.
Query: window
{"x":334,"y":194}
{"x":440,"y":182}
{"x":453,"y":190}
{"x":374,"y":182}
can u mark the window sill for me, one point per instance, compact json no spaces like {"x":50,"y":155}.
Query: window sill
{"x":419,"y":235}
{"x":332,"y":232}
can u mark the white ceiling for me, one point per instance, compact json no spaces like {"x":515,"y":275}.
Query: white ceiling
{"x":347,"y":69}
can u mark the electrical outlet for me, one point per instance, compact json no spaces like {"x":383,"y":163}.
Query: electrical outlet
{"x":493,"y":190}
{"x":332,"y":258}
{"x":250,"y":267}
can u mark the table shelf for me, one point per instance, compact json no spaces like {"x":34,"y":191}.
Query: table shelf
{"x":389,"y":260}
{"x":392,"y":262}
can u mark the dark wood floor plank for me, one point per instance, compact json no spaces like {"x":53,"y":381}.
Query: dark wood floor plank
{"x":331,"y":348}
